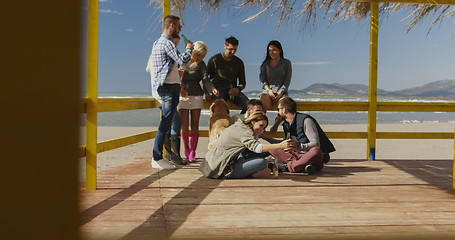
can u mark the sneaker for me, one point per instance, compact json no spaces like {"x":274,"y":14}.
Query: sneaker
{"x":162,"y":164}
{"x":310,"y":169}
{"x":283,"y":168}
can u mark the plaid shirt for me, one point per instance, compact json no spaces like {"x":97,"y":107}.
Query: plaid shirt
{"x":164,"y":54}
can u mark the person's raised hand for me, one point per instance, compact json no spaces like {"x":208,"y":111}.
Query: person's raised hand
{"x":287,"y":144}
{"x":189,"y":45}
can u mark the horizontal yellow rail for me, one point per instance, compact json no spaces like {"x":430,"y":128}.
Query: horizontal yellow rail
{"x":125,"y":141}
{"x":415,"y":135}
{"x":416,"y":107}
{"x":120,"y":142}
{"x":332,"y":106}
{"x":122,"y":104}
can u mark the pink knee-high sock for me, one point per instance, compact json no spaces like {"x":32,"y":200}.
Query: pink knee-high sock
{"x":193,"y":145}
{"x":185,"y":139}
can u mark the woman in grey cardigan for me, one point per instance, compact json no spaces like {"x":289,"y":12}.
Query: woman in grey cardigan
{"x":275,"y":75}
{"x":223,"y":161}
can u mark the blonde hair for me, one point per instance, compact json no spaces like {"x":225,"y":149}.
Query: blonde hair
{"x":256,"y":116}
{"x":200,"y":47}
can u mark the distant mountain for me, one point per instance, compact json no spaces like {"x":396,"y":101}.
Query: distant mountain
{"x":443,"y":88}
{"x":340,"y":89}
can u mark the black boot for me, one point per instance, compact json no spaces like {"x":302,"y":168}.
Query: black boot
{"x":167,"y":146}
{"x":175,"y":150}
{"x":326,"y":157}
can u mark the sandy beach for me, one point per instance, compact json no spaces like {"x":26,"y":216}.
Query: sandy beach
{"x":346,"y":148}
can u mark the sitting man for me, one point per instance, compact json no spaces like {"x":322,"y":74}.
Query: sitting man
{"x":253,"y":105}
{"x":303,"y":129}
{"x":224,"y":69}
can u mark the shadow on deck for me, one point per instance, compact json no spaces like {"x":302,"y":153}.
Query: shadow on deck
{"x":349,"y":199}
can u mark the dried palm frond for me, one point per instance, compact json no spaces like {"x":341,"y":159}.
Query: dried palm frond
{"x":305,"y":11}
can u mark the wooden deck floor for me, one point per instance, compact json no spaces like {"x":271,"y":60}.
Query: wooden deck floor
{"x":350,"y":199}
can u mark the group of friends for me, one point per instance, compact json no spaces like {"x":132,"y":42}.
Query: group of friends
{"x":176,"y":83}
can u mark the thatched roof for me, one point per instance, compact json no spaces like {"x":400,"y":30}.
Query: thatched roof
{"x":304,"y":12}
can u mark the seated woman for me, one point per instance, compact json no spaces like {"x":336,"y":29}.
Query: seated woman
{"x":275,"y":75}
{"x":223,"y":161}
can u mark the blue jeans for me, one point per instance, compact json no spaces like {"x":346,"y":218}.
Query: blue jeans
{"x":169,"y":94}
{"x":240,"y":99}
{"x":176,"y":124}
{"x":243,"y":168}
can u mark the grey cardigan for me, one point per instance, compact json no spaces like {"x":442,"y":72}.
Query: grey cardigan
{"x":227,"y":147}
{"x":278,"y":78}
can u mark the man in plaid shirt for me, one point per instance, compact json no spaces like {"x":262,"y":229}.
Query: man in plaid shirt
{"x":163,"y":57}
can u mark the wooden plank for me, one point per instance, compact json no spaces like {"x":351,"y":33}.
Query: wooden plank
{"x":122,"y":104}
{"x":415,"y":135}
{"x":124,"y":141}
{"x":416,"y":106}
{"x":350,"y":199}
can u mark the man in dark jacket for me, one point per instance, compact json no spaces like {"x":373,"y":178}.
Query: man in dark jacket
{"x":224,"y":69}
{"x":313,"y":145}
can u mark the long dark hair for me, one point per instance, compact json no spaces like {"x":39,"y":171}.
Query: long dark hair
{"x":277,"y":45}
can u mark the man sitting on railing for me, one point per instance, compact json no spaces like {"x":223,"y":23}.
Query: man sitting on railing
{"x":224,"y":69}
{"x":312,"y":142}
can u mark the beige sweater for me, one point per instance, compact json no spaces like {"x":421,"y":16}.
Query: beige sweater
{"x":231,"y":143}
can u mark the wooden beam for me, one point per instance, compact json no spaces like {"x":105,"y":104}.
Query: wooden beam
{"x":373,"y":80}
{"x":113,"y":104}
{"x":92,"y":94}
{"x":125,"y":141}
{"x":416,"y":107}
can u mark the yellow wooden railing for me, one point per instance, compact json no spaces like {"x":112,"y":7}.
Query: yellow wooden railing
{"x":92,"y":105}
{"x":115,"y":104}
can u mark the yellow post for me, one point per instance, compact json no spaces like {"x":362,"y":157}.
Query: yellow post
{"x":373,"y":84}
{"x":92,"y":95}
{"x":166,"y":8}
{"x":166,"y":11}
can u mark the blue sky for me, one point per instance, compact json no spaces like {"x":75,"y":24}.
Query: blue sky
{"x":335,"y":54}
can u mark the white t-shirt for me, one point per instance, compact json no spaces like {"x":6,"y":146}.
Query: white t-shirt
{"x":173,"y":77}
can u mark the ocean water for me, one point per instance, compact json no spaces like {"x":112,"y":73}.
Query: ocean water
{"x":151,"y":117}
